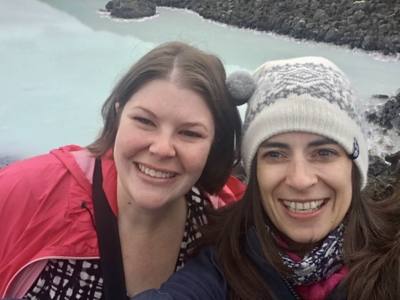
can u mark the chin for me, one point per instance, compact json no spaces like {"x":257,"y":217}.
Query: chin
{"x":154,"y":204}
{"x":305,"y":239}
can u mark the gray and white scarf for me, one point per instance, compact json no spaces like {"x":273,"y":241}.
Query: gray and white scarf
{"x":320,"y":263}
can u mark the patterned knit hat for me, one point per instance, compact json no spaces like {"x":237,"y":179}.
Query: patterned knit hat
{"x":308,"y":94}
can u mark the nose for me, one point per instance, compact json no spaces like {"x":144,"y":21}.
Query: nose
{"x":162,"y":145}
{"x":300,"y":174}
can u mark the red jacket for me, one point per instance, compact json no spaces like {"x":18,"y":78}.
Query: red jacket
{"x":45,"y":211}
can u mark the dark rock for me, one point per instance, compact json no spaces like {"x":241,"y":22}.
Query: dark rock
{"x":393,"y":158}
{"x":332,"y":35}
{"x":299,"y":27}
{"x":377,"y":166}
{"x":380,"y":96}
{"x":396,"y":123}
{"x":132,"y":9}
{"x":109,"y":6}
{"x":368,"y":42}
{"x":359,"y":15}
{"x":388,"y":115}
{"x":319,"y":15}
{"x":314,"y":5}
{"x":373,"y":117}
{"x":383,"y":177}
{"x":370,"y":25}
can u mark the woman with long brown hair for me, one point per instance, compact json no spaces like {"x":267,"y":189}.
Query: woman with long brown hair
{"x":303,"y":229}
{"x":119,"y":216}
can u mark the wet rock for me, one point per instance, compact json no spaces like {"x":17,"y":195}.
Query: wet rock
{"x":299,"y":27}
{"x":319,"y":15}
{"x":369,"y":43}
{"x":377,"y":166}
{"x":358,"y":16}
{"x":370,"y":25}
{"x":380,"y":96}
{"x":383,"y":176}
{"x":332,"y":35}
{"x":387,"y":116}
{"x":394,"y":160}
{"x":109,"y":6}
{"x":131,"y":9}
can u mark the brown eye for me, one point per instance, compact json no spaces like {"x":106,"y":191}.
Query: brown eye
{"x":273,"y":155}
{"x":191,"y":134}
{"x":143,"y":121}
{"x":325,"y":154}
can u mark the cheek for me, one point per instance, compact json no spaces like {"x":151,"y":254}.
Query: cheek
{"x":125,"y":146}
{"x":340,"y":181}
{"x":347,"y":197}
{"x":120,"y":146}
{"x":266,"y":186}
{"x":129,"y":139}
{"x":267,"y":179}
{"x":117,"y":146}
{"x":120,"y":136}
{"x":343,"y":181}
{"x":195,"y":158}
{"x":118,"y":155}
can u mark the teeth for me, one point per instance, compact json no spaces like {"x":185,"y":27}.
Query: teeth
{"x":303,"y":207}
{"x":155,"y":173}
{"x":292,"y":205}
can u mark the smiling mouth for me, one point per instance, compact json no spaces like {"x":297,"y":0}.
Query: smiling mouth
{"x":155,"y":173}
{"x":304,"y":206}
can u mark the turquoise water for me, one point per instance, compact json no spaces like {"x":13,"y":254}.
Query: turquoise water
{"x":60,"y":59}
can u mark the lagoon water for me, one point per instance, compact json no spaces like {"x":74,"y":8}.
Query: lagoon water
{"x":59,"y":59}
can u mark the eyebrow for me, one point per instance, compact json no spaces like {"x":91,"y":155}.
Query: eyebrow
{"x":186,"y":124}
{"x":315,"y":143}
{"x":267,"y":144}
{"x":142,"y":109}
{"x":322,"y":141}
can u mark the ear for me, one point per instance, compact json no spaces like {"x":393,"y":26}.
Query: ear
{"x":116,"y":106}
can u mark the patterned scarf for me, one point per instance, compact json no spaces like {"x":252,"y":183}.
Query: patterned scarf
{"x":320,"y":263}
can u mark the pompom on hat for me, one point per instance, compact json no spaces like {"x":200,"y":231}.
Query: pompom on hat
{"x":241,"y":86}
{"x":308,"y":94}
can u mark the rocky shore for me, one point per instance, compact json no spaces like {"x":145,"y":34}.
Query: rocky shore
{"x":129,"y":9}
{"x":372,"y":25}
{"x":384,"y":171}
{"x":383,"y":176}
{"x":388,"y":116}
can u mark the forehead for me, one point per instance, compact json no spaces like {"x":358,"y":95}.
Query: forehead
{"x":166,"y":98}
{"x":297,"y":138}
{"x":166,"y":91}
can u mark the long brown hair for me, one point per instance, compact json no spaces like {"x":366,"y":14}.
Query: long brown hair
{"x":227,"y":231}
{"x":371,"y":244}
{"x":195,"y":70}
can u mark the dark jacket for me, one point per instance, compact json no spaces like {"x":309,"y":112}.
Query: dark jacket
{"x":202,"y":278}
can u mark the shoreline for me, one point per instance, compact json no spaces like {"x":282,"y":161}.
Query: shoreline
{"x":372,"y":26}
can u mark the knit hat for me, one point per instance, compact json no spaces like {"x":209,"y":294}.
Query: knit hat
{"x":308,"y":94}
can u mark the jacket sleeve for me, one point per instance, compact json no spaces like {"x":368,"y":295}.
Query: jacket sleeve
{"x":231,"y":192}
{"x":15,"y":208}
{"x":199,"y":279}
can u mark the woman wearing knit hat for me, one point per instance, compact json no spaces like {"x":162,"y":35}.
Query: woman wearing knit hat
{"x":302,"y":229}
